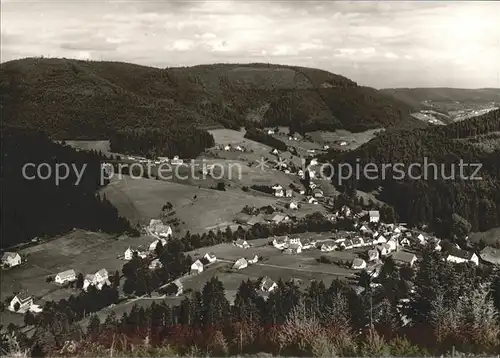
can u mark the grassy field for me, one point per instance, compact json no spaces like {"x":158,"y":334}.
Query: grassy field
{"x":83,"y":251}
{"x":353,"y":140}
{"x":490,"y":237}
{"x":142,"y":200}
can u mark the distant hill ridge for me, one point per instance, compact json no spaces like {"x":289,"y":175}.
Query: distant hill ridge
{"x":72,"y":98}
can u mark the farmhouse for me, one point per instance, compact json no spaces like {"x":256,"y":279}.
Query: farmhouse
{"x":242,"y":218}
{"x":279,"y":218}
{"x":347,"y":245}
{"x":98,"y":280}
{"x":328,"y":246}
{"x":490,"y":255}
{"x":404,"y":242}
{"x":404,"y":258}
{"x":279,"y":193}
{"x":295,"y":241}
{"x":318,"y":193}
{"x":240,"y":264}
{"x":176,"y":160}
{"x":197,"y":267}
{"x":380,"y":239}
{"x":254,"y":260}
{"x":152,"y":246}
{"x":307,"y":244}
{"x":384,"y":249}
{"x":210,"y":257}
{"x":241,"y":243}
{"x":289,"y":193}
{"x":11,"y":259}
{"x":158,"y":228}
{"x":358,"y":264}
{"x":422,"y":239}
{"x":357,"y":242}
{"x":293,"y":249}
{"x":21,"y":302}
{"x":312,"y":201}
{"x":129,"y":253}
{"x":155,"y":264}
{"x":393,"y":244}
{"x":293,"y":205}
{"x":280,"y":242}
{"x":267,"y":285}
{"x":459,"y":256}
{"x":374,"y":216}
{"x":65,"y":276}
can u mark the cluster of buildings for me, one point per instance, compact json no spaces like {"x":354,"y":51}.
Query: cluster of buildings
{"x":160,"y":160}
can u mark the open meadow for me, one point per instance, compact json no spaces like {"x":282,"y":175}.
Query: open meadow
{"x":198,"y":209}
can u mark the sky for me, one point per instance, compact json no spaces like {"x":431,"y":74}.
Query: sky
{"x":375,"y":43}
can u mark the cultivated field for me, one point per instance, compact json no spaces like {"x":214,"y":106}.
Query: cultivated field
{"x":353,"y":140}
{"x":490,"y":237}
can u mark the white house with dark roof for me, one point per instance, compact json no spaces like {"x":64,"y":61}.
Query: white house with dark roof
{"x":22,"y":301}
{"x":197,"y":267}
{"x":65,"y":277}
{"x":458,"y":256}
{"x":267,"y":284}
{"x":373,"y":255}
{"x":358,"y":264}
{"x":11,"y":259}
{"x":129,"y":254}
{"x":328,"y":246}
{"x":241,"y":244}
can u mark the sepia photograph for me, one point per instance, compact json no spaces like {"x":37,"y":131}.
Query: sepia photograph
{"x":249,"y":178}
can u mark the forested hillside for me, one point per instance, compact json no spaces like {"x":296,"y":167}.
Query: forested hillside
{"x":91,"y":100}
{"x":435,"y":196}
{"x":34,"y":207}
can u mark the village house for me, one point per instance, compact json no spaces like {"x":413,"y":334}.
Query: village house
{"x":404,"y":258}
{"x":180,"y":287}
{"x":227,"y":147}
{"x":98,"y":280}
{"x":307,"y":244}
{"x":393,"y":244}
{"x":65,"y":277}
{"x":21,"y":302}
{"x":293,"y":249}
{"x":279,"y":193}
{"x":312,"y":201}
{"x":295,"y":241}
{"x":240,"y":264}
{"x":374,"y":216}
{"x":176,"y":160}
{"x":163,"y":159}
{"x":326,"y":147}
{"x":11,"y":259}
{"x":373,"y":255}
{"x":267,"y":284}
{"x":384,"y":249}
{"x":270,"y":131}
{"x":460,"y":256}
{"x":152,"y":246}
{"x":156,"y":227}
{"x":328,"y":246}
{"x":302,"y":192}
{"x":490,"y":255}
{"x":280,"y":243}
{"x":347,"y":244}
{"x":404,"y":242}
{"x":289,"y":193}
{"x":129,"y":254}
{"x":318,"y":193}
{"x":293,"y":205}
{"x":279,"y":218}
{"x":254,"y":260}
{"x":155,"y":264}
{"x":210,"y":257}
{"x":380,"y":239}
{"x":358,"y":264}
{"x":240,"y":149}
{"x":241,"y":244}
{"x":196,"y":267}
{"x":345,"y":211}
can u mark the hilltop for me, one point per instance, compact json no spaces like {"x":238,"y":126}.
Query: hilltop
{"x":87,"y":99}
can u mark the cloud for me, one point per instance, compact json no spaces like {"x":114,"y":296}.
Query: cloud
{"x":380,"y":44}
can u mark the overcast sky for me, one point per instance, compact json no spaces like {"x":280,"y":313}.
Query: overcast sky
{"x":375,"y":43}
